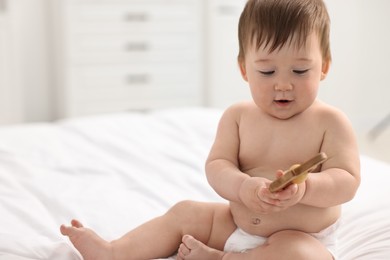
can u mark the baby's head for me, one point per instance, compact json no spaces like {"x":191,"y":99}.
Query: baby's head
{"x":275,"y":23}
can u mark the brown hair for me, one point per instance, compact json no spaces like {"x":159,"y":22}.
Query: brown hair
{"x":274,"y":23}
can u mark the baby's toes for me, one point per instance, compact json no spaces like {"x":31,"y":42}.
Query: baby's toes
{"x":76,"y":223}
{"x":191,"y":243}
{"x":66,"y":230}
{"x":183,"y":251}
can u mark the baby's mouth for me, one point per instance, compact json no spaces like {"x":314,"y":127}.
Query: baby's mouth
{"x":283,"y":101}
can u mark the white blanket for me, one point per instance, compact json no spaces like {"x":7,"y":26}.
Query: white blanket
{"x":114,"y":172}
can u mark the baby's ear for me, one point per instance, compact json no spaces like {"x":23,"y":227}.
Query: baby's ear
{"x":241,"y":64}
{"x":325,"y":69}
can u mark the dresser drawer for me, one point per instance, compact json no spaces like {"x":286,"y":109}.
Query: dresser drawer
{"x":90,"y":90}
{"x":116,"y":48}
{"x":139,"y":16}
{"x":136,"y":77}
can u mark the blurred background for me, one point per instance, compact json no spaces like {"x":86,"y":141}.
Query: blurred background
{"x":67,"y":58}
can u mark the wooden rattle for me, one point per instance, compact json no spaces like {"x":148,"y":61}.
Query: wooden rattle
{"x":297,"y":173}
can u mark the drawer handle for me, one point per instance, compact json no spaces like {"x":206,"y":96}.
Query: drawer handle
{"x":136,"y":17}
{"x":137,"y":79}
{"x":137,"y":46}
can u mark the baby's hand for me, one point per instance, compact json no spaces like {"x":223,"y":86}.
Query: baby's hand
{"x":249,"y":194}
{"x":254,"y":195}
{"x":285,"y":198}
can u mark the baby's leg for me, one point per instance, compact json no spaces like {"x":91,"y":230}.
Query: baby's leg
{"x":160,"y":237}
{"x":282,"y":245}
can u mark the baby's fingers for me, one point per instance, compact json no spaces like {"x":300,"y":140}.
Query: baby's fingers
{"x":267,"y":197}
{"x":287,"y":193}
{"x":279,"y":173}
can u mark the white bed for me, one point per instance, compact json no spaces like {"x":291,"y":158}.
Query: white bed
{"x":114,"y":172}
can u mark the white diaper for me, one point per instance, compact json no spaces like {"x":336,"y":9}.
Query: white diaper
{"x":240,"y":241}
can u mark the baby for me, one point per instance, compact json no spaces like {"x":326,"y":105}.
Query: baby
{"x":284,"y":54}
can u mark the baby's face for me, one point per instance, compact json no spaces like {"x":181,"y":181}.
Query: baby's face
{"x":285,"y":82}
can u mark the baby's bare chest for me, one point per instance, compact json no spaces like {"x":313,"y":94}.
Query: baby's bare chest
{"x":272,"y":148}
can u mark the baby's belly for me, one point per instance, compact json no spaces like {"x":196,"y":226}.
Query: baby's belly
{"x":300,"y":217}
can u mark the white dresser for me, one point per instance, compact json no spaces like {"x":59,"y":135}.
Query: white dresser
{"x":114,"y":55}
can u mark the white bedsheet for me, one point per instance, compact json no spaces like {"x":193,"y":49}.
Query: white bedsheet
{"x":114,"y":172}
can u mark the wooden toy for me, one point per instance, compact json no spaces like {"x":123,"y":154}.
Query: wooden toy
{"x":297,"y":173}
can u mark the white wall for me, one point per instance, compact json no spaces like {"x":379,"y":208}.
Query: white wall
{"x":360,"y":40}
{"x":25,"y":91}
{"x":224,"y":82}
{"x":32,"y":40}
{"x":11,"y":105}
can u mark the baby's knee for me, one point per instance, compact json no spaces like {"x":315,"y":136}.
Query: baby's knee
{"x":299,"y":245}
{"x":189,"y":211}
{"x":185,"y":207}
{"x":194,"y":218}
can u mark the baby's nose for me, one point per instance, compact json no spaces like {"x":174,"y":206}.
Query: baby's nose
{"x":283,"y":86}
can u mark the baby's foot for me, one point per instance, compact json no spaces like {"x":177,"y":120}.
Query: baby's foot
{"x":87,"y":242}
{"x":191,"y":248}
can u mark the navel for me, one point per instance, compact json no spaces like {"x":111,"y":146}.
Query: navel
{"x":256,"y":221}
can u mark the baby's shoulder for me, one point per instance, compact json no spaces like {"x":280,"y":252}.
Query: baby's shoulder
{"x":242,"y":105}
{"x":241,"y":108}
{"x":329,"y":114}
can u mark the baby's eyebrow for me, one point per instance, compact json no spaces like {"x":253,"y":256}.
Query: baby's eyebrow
{"x":304,"y":59}
{"x":264,"y":60}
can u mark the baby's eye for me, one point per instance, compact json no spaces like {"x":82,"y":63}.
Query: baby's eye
{"x":300,"y":72}
{"x":267,"y":72}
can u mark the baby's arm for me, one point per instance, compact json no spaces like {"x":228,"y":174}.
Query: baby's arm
{"x":340,"y":174}
{"x":222,"y":166}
